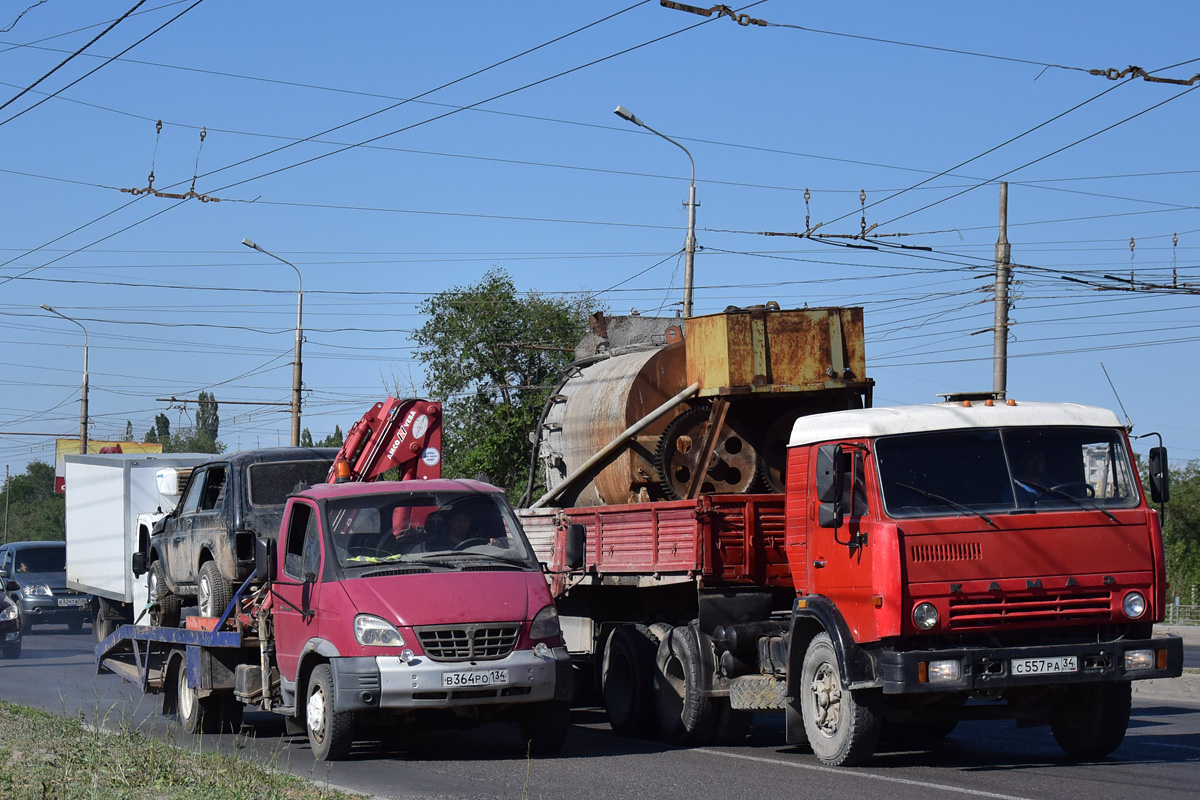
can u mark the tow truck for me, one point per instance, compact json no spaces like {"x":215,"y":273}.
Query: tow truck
{"x":359,"y":613}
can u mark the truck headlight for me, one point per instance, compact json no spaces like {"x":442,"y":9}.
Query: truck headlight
{"x":37,"y":590}
{"x":925,"y":616}
{"x":947,"y":671}
{"x":373,"y":631}
{"x":1139,"y":659}
{"x":1134,"y":605}
{"x":9,"y":611}
{"x":545,"y":624}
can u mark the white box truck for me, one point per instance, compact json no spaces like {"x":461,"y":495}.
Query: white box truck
{"x":112,"y":502}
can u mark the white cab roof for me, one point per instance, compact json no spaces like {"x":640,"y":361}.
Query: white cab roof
{"x":871,"y":422}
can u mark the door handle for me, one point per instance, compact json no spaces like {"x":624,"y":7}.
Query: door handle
{"x":819,"y":564}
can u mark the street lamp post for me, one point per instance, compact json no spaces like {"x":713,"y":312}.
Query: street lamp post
{"x":690,"y":244}
{"x":296,"y":364}
{"x":83,"y":400}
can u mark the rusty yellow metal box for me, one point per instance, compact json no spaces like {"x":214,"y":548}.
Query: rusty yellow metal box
{"x":770,"y":350}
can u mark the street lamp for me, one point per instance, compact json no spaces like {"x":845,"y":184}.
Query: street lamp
{"x":690,"y":245}
{"x":83,"y":400}
{"x":299,"y":337}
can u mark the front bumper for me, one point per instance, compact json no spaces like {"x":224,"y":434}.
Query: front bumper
{"x":41,"y":609}
{"x":386,"y":682}
{"x":983,"y":668}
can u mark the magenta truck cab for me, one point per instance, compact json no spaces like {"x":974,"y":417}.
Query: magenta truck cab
{"x":398,"y":602}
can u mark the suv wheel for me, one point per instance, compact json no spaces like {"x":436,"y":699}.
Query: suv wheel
{"x":214,"y":591}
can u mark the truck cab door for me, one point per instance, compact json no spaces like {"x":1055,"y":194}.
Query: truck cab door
{"x":298,"y":586}
{"x":843,"y":557}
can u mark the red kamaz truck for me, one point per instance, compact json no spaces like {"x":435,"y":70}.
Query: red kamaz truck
{"x":920,"y":565}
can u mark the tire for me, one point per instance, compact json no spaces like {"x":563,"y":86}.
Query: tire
{"x":685,"y":715}
{"x":544,"y":727}
{"x":102,"y":627}
{"x":12,"y":650}
{"x":196,"y":714}
{"x":164,"y":604}
{"x":1090,"y":719}
{"x":627,"y":681}
{"x":75,"y":625}
{"x":731,"y":724}
{"x":213,"y":592}
{"x":330,"y":733}
{"x":841,"y":728}
{"x":26,"y":624}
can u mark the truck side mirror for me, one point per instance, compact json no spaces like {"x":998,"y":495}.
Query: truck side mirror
{"x":576,"y":545}
{"x":829,"y":473}
{"x":1160,"y":476}
{"x":829,"y":485}
{"x":12,"y":586}
{"x":138,"y":564}
{"x":264,"y":559}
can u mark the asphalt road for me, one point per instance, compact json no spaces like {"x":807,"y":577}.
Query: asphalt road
{"x":1160,"y":757}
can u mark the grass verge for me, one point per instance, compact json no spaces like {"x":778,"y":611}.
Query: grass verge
{"x":47,"y":757}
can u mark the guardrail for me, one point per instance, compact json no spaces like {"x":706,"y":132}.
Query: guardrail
{"x":1182,"y":615}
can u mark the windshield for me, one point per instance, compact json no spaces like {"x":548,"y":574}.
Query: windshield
{"x":435,"y":528}
{"x":41,"y":559}
{"x":1008,"y":470}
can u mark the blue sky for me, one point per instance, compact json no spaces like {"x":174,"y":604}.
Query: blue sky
{"x":510,"y":157}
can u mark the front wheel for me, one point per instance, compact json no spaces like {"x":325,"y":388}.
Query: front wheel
{"x":1090,"y":719}
{"x":841,"y":728}
{"x":75,"y":625}
{"x":544,"y":727}
{"x":164,"y":604}
{"x":330,"y":732}
{"x":12,"y":650}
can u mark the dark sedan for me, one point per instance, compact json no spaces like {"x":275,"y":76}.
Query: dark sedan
{"x":10,"y":628}
{"x":39,"y":570}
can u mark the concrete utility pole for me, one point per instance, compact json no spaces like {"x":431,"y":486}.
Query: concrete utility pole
{"x":1000,"y":328}
{"x":83,"y":400}
{"x":689,"y":247}
{"x":296,"y":363}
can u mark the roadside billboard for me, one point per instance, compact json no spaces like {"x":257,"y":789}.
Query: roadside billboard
{"x":68,"y":447}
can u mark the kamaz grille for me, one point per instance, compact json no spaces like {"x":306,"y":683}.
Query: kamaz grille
{"x":468,"y":643}
{"x":976,"y":612}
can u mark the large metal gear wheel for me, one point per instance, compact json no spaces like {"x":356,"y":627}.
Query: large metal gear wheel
{"x":772,"y":454}
{"x":731,"y":470}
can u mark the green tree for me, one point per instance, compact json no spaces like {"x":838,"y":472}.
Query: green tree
{"x":207,"y":418}
{"x":128,"y":431}
{"x":161,"y":432}
{"x":332,"y":440}
{"x":491,"y":355}
{"x":35,"y":511}
{"x":1181,"y":534}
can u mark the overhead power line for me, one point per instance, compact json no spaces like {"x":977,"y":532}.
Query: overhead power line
{"x":66,"y":60}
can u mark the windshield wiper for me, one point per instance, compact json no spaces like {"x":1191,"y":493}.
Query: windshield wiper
{"x":952,"y":503}
{"x":1085,"y":505}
